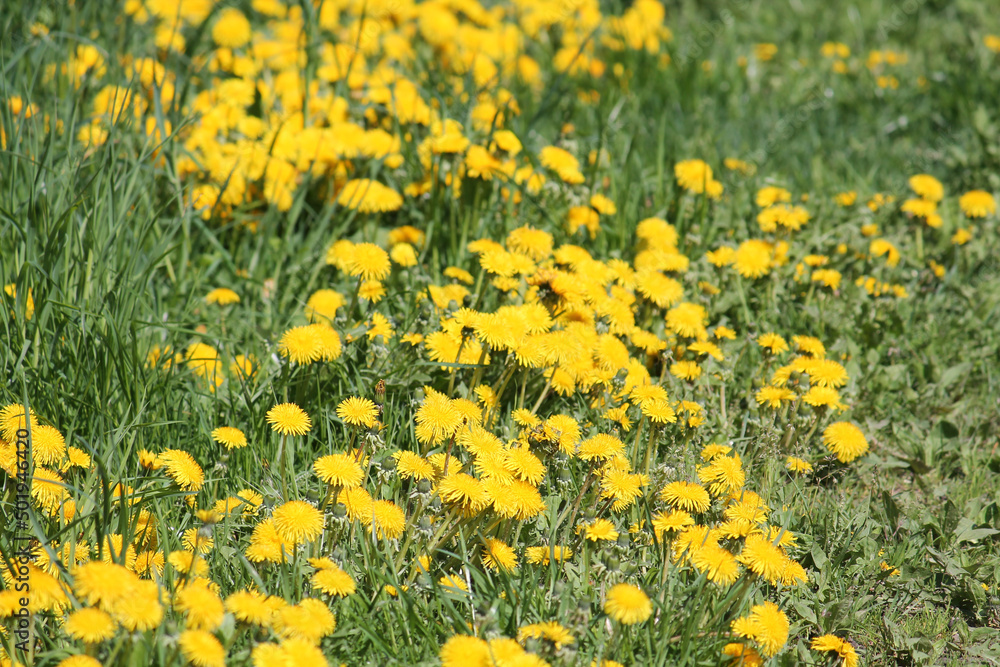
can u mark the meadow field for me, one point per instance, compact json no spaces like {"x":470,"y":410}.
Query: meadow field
{"x":499,"y":334}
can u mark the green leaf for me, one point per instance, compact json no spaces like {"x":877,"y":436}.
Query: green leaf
{"x":805,"y":612}
{"x":953,"y":374}
{"x":967,"y":532}
{"x":819,"y":558}
{"x":891,"y":509}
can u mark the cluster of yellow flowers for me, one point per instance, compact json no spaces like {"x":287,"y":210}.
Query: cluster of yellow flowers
{"x":568,"y":318}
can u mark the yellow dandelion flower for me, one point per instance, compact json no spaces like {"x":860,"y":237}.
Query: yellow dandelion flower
{"x":229,"y":437}
{"x":961,"y":237}
{"x":977,"y":204}
{"x":333,"y":581}
{"x":773,"y":396}
{"x":833,"y":643}
{"x":330,"y":346}
{"x":12,"y":419}
{"x":601,"y":447}
{"x":693,"y":175}
{"x":465,"y":492}
{"x":724,"y":333}
{"x":388,"y":519}
{"x":719,"y":564}
{"x":544,"y":555}
{"x":627,"y":604}
{"x":687,"y":319}
{"x":465,"y":651}
{"x":188,"y":562}
{"x":47,"y":445}
{"x":140,"y":610}
{"x":454,"y":583}
{"x":551,"y":631}
{"x":927,"y":187}
{"x":358,"y":411}
{"x":723,"y":475}
{"x":90,"y":625}
{"x":368,"y":196}
{"x":198,"y":540}
{"x":753,"y":258}
{"x":527,"y":240}
{"x":222,"y":296}
{"x":339,"y":470}
{"x":369,"y":262}
{"x":658,"y":288}
{"x":182,"y":469}
{"x":686,"y":495}
{"x":602,"y":204}
{"x":766,"y":625}
{"x":371,"y":290}
{"x":309,"y":620}
{"x":743,"y":655}
{"x":202,"y":649}
{"x":772,"y":342}
{"x":622,"y":486}
{"x":323,"y":304}
{"x":202,"y":608}
{"x":302,"y":345}
{"x":762,"y":557}
{"x":250,"y":607}
{"x":498,"y":555}
{"x":413,"y":466}
{"x":722,"y":256}
{"x":103,"y":584}
{"x":437,"y":418}
{"x":666,"y":522}
{"x":798,"y":465}
{"x":598,"y":530}
{"x":231,"y":29}
{"x":289,"y":419}
{"x":823,"y":397}
{"x":845,"y":440}
{"x":297,"y":522}
{"x":685,"y":370}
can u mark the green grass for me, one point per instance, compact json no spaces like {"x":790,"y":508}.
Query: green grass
{"x":116,"y":263}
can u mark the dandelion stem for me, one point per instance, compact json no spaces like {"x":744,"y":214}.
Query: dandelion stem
{"x":579,"y":499}
{"x":447,"y":455}
{"x":408,"y":531}
{"x":635,"y":442}
{"x":790,"y":426}
{"x":477,"y":290}
{"x":480,"y":367}
{"x":743,"y":300}
{"x":282,"y":457}
{"x":524,"y":386}
{"x":503,"y":381}
{"x":332,"y":491}
{"x":545,"y":392}
{"x":443,"y":536}
{"x":722,"y":402}
{"x":454,"y":371}
{"x":354,"y":300}
{"x":649,"y":448}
